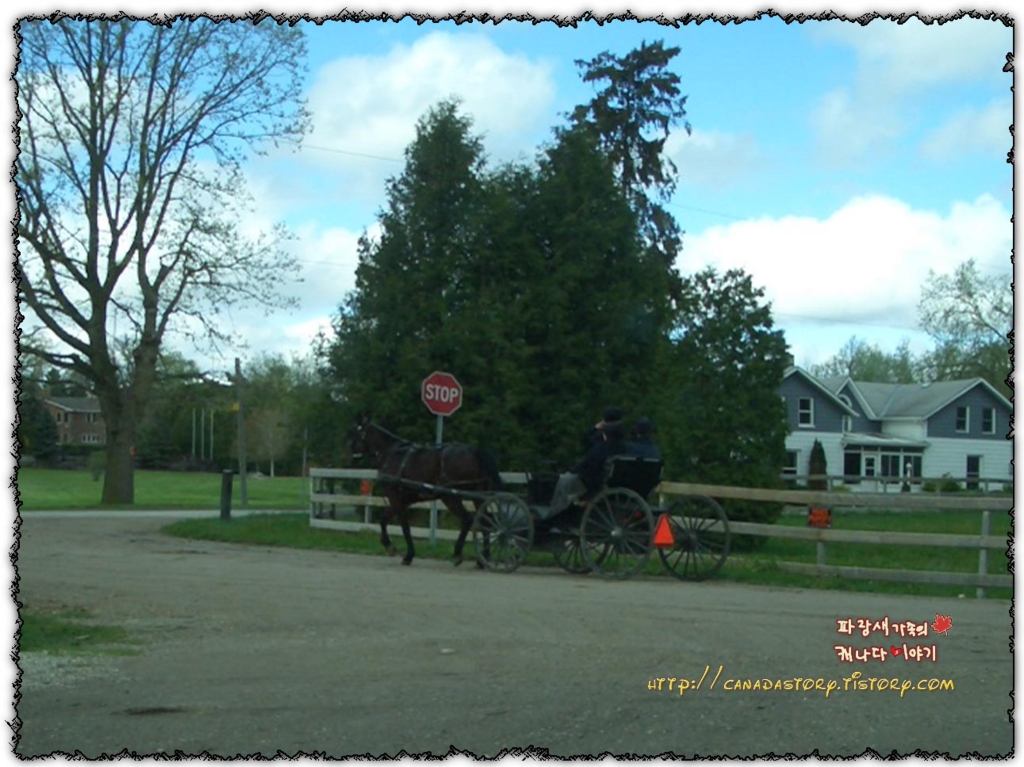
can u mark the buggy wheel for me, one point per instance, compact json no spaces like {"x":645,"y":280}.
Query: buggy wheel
{"x":569,"y":556}
{"x":701,"y":531}
{"x":617,"y":533}
{"x":502,"y":532}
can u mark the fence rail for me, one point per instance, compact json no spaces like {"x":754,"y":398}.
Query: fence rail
{"x":325,"y":506}
{"x":913,"y":484}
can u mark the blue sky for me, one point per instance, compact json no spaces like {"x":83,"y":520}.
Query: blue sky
{"x":835,"y":162}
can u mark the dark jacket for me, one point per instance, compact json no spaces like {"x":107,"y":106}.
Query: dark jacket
{"x":644,"y":446}
{"x":592,"y":439}
{"x":591,"y":468}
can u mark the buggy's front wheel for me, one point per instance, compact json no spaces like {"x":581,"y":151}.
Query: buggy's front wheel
{"x":502,"y":532}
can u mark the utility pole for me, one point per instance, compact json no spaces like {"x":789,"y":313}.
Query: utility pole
{"x":241,"y":432}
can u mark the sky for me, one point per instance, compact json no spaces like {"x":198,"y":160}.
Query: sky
{"x":834,"y":162}
{"x":837,"y":163}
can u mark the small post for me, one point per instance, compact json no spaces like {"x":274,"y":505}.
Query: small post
{"x":986,"y":527}
{"x":242,"y":461}
{"x":226,"y":478}
{"x":433,"y":505}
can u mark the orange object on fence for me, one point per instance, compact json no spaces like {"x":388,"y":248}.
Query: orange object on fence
{"x":364,"y":488}
{"x":819,"y":517}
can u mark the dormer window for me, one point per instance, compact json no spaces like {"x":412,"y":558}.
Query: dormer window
{"x":805,"y":411}
{"x":963,"y":420}
{"x":988,"y":420}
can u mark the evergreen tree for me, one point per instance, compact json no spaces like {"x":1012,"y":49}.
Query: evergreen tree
{"x":633,"y":116}
{"x":723,"y":420}
{"x":817,"y":467}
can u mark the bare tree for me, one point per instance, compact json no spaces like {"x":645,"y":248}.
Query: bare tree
{"x":130,"y":190}
{"x":970,"y":318}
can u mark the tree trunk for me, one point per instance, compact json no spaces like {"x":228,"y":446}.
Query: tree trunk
{"x":119,"y":479}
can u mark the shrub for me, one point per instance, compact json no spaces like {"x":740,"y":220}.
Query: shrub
{"x":818,"y":465}
{"x":949,"y":485}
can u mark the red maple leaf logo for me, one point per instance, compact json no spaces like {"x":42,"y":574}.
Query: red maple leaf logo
{"x":942,"y":624}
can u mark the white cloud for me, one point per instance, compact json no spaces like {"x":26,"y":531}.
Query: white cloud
{"x":369,"y":105}
{"x":713,"y":158}
{"x":895,"y":63}
{"x":865,"y":263}
{"x":899,"y":57}
{"x":972,"y":130}
{"x":850,"y":126}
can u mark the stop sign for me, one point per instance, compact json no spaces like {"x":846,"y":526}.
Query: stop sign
{"x":442,"y":394}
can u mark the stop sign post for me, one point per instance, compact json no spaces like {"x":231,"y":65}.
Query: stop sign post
{"x":442,"y":395}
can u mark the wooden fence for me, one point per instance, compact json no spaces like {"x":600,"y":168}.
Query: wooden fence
{"x":931,"y":485}
{"x":326,"y":505}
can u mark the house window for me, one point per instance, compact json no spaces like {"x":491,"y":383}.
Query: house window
{"x":988,"y":420}
{"x":891,"y":465}
{"x":851,"y":467}
{"x":869,"y":466}
{"x":912,"y":465}
{"x":963,"y":419}
{"x":973,"y":471}
{"x":789,"y":469}
{"x":847,"y":424}
{"x":91,"y":418}
{"x":806,"y":411}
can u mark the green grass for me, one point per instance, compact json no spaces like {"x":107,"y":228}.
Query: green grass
{"x":70,"y":632}
{"x":759,"y":568}
{"x":55,"y":489}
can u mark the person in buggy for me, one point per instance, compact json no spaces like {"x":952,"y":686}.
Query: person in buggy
{"x":595,"y":435}
{"x":585,"y":479}
{"x":642,"y":443}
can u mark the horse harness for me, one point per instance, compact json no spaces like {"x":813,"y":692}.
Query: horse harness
{"x":411,"y":449}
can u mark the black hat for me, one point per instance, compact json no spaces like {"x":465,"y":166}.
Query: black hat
{"x":643,"y":426}
{"x":612,"y":415}
{"x":614,"y":430}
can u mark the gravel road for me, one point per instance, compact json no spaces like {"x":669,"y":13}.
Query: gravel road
{"x":252,"y":650}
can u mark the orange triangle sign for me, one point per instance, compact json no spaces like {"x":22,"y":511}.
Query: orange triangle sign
{"x":663,"y":537}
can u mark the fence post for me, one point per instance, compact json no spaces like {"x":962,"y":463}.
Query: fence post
{"x":986,"y":526}
{"x":226,"y":478}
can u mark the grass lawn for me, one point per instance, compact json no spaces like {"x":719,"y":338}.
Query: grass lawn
{"x":70,"y":632}
{"x":756,"y":568}
{"x":56,"y":489}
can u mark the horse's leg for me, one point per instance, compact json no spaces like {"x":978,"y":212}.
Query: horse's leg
{"x":465,"y":522}
{"x":385,"y":539}
{"x":410,"y":550}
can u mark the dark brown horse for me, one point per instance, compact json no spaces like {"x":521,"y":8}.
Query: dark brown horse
{"x":405,"y":468}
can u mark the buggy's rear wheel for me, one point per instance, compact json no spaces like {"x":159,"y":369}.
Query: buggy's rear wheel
{"x":502,"y":532}
{"x":617,"y":533}
{"x":569,"y":556}
{"x":701,"y":531}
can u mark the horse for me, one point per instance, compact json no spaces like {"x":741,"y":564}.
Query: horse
{"x":400,"y":461}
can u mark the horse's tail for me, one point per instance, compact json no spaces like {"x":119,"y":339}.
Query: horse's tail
{"x":489,"y":465}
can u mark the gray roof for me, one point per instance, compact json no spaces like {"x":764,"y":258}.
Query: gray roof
{"x":76,"y":404}
{"x":819,"y":384}
{"x":880,"y":440}
{"x":912,"y":400}
{"x":889,"y":400}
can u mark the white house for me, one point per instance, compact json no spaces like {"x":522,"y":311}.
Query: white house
{"x":875,"y":434}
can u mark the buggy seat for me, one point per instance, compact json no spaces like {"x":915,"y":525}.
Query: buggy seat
{"x":633,"y":472}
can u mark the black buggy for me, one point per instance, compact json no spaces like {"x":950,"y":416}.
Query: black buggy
{"x":614,"y":534}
